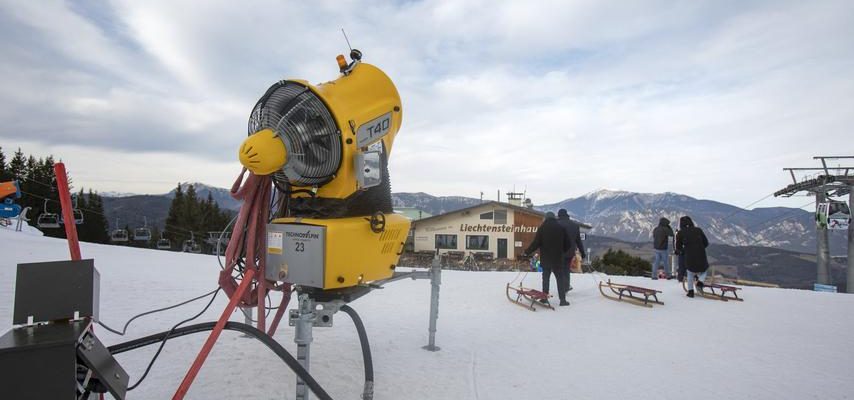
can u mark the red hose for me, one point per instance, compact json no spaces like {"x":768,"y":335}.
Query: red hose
{"x":250,"y":230}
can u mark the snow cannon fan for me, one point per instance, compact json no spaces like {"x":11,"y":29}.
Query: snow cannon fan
{"x":326,"y":148}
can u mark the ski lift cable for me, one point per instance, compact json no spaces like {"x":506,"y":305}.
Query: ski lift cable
{"x":778,"y":218}
{"x":172,"y":227}
{"x":741,"y":209}
{"x":84,"y":209}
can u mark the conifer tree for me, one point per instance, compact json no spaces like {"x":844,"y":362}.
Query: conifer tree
{"x":5,"y":175}
{"x":18,"y":165}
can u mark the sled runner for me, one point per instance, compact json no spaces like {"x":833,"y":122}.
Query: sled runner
{"x":630,"y":294}
{"x":528,"y":298}
{"x":715,"y":291}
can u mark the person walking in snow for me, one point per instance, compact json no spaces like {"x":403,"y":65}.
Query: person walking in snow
{"x":552,"y":241}
{"x":660,"y":238}
{"x":573,"y":231}
{"x":680,"y":259}
{"x":692,"y":242}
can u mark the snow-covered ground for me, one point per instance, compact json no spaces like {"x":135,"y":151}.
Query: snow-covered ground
{"x":778,"y":344}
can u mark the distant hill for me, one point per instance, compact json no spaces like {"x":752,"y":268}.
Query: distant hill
{"x":788,"y":269}
{"x":626,"y":216}
{"x":432,"y":204}
{"x":130,"y":209}
{"x":632,"y":217}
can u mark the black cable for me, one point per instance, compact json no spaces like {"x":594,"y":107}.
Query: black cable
{"x":366,"y":350}
{"x":125,"y":328}
{"x":166,"y":337}
{"x":277,"y":348}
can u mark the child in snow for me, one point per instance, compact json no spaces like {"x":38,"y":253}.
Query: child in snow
{"x":535,"y":263}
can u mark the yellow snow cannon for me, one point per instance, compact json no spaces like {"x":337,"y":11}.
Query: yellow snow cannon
{"x":326,"y":147}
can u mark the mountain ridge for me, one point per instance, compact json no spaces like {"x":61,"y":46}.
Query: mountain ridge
{"x":619,"y":214}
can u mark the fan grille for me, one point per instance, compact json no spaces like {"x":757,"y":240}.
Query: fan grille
{"x":307,"y":129}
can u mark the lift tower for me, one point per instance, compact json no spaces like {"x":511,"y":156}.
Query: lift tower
{"x":830,"y":182}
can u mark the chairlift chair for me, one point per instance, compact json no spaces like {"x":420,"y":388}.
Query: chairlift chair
{"x":142,"y":234}
{"x":163,"y":243}
{"x":191,"y":246}
{"x":119,"y":235}
{"x":47,"y":219}
{"x":76,"y":213}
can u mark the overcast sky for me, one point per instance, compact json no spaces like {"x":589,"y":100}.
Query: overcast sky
{"x":709,"y":99}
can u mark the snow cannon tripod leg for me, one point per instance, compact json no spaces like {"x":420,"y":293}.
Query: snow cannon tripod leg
{"x":303,"y":321}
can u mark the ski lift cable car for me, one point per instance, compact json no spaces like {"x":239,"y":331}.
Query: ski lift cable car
{"x":163,"y":243}
{"x":47,"y":219}
{"x":142,"y":234}
{"x":119,"y":235}
{"x":833,"y":214}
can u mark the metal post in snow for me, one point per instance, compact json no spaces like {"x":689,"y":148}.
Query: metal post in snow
{"x":435,"y":282}
{"x":822,"y":249}
{"x":303,"y":338}
{"x":850,"y":284}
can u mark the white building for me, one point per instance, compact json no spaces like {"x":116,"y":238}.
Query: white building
{"x":491,"y":229}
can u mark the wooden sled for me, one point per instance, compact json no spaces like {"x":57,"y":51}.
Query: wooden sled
{"x":630,"y":294}
{"x":715,"y":291}
{"x":528,"y":298}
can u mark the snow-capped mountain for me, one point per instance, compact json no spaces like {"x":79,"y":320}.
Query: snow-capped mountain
{"x":622,"y":215}
{"x":632,"y":217}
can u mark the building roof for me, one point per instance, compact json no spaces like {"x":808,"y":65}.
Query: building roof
{"x":500,"y":204}
{"x":412,"y":213}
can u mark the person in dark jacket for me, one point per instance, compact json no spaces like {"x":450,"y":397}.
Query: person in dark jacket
{"x":693,"y":242}
{"x":553,"y":242}
{"x":680,"y":259}
{"x":660,"y":238}
{"x":573,"y":231}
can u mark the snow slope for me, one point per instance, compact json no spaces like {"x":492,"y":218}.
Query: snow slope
{"x":779,"y":344}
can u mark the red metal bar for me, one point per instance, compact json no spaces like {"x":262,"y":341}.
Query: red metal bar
{"x":67,"y":213}
{"x":262,"y":304}
{"x":286,"y":298}
{"x":206,"y":348}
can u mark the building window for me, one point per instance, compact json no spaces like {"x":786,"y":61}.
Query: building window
{"x":477,"y":242}
{"x":486,"y":215}
{"x":446,"y":242}
{"x":500,"y":217}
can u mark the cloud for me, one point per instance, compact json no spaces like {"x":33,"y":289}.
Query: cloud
{"x":709,"y":99}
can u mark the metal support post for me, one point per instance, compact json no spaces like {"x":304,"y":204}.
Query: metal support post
{"x":850,"y":284}
{"x":822,"y":249}
{"x":435,"y":282}
{"x":303,"y":321}
{"x":247,"y":319}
